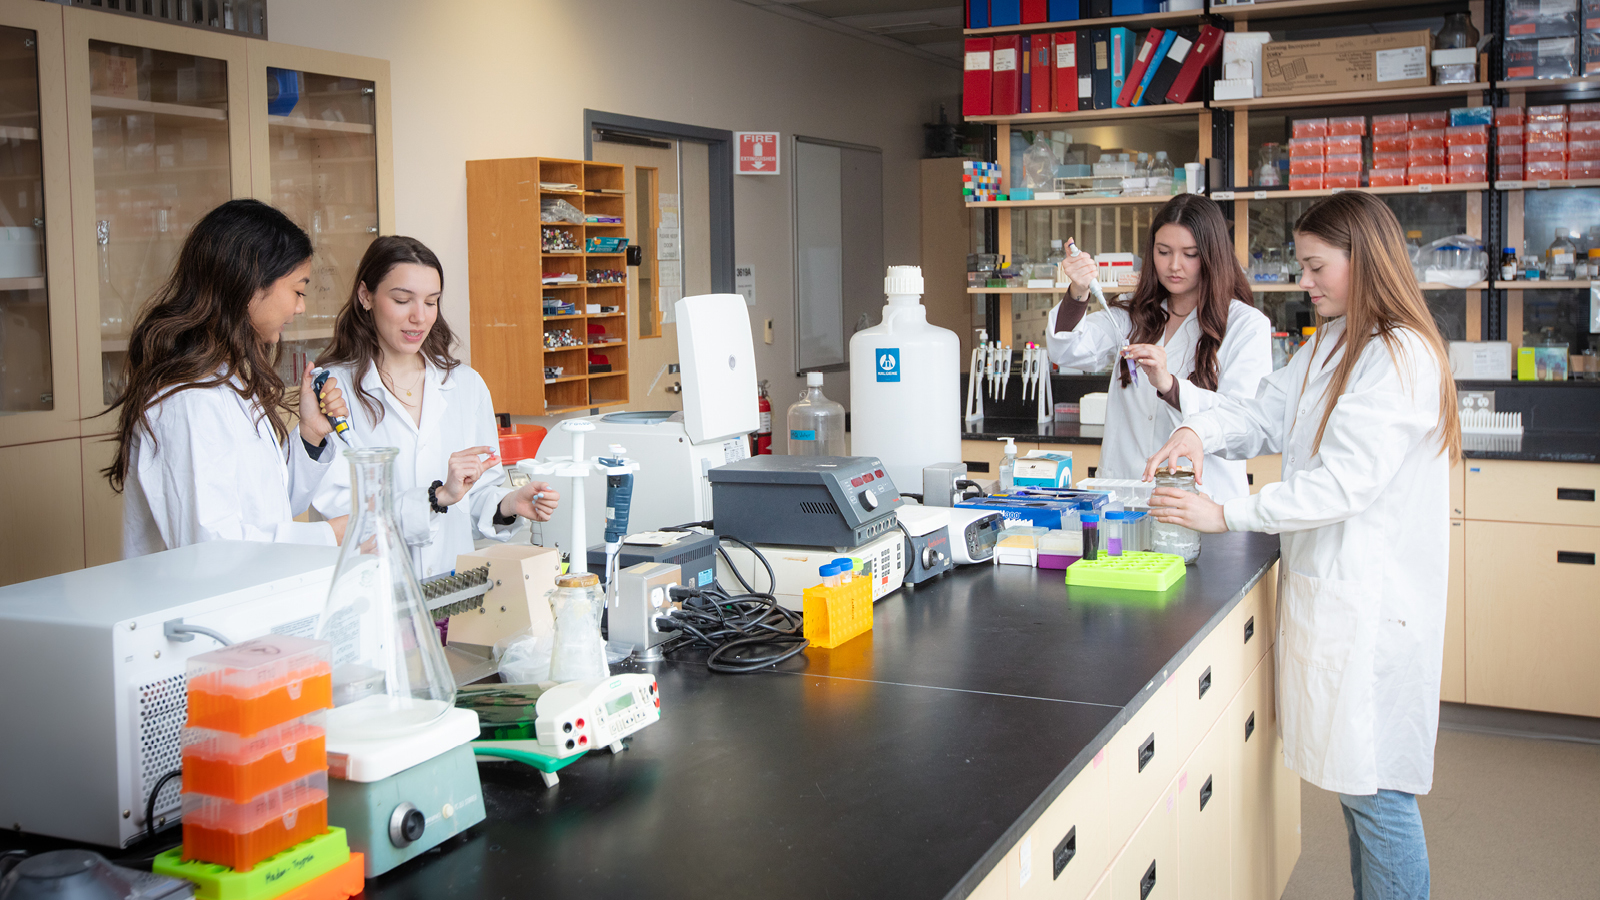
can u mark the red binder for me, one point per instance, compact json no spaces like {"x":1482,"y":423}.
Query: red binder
{"x":977,"y":78}
{"x":1147,"y":51}
{"x":1043,"y":77}
{"x":1186,"y":86}
{"x":1065,"y":69}
{"x":1035,"y":11}
{"x":1007,"y":74}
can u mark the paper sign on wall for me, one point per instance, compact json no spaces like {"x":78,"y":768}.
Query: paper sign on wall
{"x":667,"y":243}
{"x":758,"y":152}
{"x":744,"y":282}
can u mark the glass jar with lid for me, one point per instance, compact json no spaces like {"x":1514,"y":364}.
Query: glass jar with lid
{"x":580,"y":653}
{"x":1169,"y":537}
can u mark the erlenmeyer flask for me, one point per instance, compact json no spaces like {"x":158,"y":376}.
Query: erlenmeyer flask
{"x":390,"y":675}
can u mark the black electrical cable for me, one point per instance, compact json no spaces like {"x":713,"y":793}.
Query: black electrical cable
{"x":966,"y":484}
{"x":150,"y":804}
{"x":735,"y":626}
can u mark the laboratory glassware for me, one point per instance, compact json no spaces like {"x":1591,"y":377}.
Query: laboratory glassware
{"x":816,"y":424}
{"x":1008,"y":466}
{"x":1560,"y":256}
{"x":390,"y":675}
{"x":1167,"y":537}
{"x":580,"y":654}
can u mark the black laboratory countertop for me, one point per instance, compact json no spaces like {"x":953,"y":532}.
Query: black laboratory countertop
{"x":1535,"y":446}
{"x":902,"y":764}
{"x":992,"y":428}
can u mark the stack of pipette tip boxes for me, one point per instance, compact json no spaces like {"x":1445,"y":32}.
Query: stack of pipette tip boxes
{"x":840,"y":608}
{"x":980,"y":181}
{"x":255,"y":777}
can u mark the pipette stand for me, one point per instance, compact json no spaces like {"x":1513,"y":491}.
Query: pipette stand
{"x":576,"y":468}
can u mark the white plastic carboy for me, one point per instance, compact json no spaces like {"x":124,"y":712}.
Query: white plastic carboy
{"x":905,"y":385}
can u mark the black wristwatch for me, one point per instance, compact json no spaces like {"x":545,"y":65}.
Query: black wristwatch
{"x":502,"y":519}
{"x":433,"y":497}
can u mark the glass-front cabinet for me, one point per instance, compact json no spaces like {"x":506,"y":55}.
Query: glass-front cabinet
{"x":166,"y":142}
{"x":323,"y":141}
{"x":36,"y":301}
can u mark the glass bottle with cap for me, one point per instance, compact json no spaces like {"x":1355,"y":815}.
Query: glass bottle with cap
{"x":390,"y":675}
{"x":1169,"y":537}
{"x":816,"y":424}
{"x":580,"y":653}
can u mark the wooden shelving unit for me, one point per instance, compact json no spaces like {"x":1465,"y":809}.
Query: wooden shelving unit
{"x":506,"y":264}
{"x":1113,"y":114}
{"x":1292,"y":194}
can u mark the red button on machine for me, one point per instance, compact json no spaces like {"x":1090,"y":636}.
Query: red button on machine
{"x":856,"y":482}
{"x":867,"y":477}
{"x":880,"y":473}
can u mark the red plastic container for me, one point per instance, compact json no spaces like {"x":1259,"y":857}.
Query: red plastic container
{"x":1427,"y":121}
{"x":1426,"y":175}
{"x":1425,"y":156}
{"x":1509,"y":115}
{"x":1309,"y":128}
{"x":1387,"y":177}
{"x":1429,"y":138}
{"x":1394,"y":123}
{"x":1305,"y":182}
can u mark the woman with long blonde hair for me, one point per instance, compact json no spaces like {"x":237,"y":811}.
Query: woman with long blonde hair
{"x":1365,"y":417}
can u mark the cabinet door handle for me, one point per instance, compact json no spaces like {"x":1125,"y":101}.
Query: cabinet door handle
{"x":1147,"y":751}
{"x":1249,"y":629}
{"x":1148,"y":882}
{"x":1205,"y":793}
{"x":1205,"y":682}
{"x":1249,"y":726}
{"x":1577,"y":559}
{"x":1065,"y":851}
{"x":1585,"y":495}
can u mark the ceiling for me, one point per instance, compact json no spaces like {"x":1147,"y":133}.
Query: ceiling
{"x":924,"y":28}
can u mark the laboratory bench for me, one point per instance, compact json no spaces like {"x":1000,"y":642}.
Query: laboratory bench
{"x":995,"y":735}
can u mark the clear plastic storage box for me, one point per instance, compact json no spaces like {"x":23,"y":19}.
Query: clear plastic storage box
{"x":260,"y":683}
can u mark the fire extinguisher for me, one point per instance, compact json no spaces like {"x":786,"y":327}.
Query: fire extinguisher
{"x":761,"y":441}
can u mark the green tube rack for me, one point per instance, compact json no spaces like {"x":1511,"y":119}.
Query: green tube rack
{"x":1139,"y":570}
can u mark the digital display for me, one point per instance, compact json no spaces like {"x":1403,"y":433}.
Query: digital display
{"x":619,"y":704}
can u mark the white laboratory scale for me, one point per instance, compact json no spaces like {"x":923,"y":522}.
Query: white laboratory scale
{"x":674,"y":449}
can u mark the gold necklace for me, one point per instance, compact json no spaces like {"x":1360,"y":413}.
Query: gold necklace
{"x":414,"y":385}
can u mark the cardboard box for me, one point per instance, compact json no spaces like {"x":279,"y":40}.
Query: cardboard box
{"x":113,"y":76}
{"x":1365,"y":63}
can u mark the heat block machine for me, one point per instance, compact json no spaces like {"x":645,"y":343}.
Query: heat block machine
{"x":840,"y":502}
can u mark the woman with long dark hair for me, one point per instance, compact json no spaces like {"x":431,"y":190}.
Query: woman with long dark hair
{"x":204,"y":451}
{"x":392,"y":346}
{"x":1365,"y":417}
{"x":1189,"y":327}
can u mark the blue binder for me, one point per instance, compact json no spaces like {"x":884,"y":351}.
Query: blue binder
{"x":1062,"y":10}
{"x":1005,"y":12}
{"x":977,"y":13}
{"x":1155,"y":63}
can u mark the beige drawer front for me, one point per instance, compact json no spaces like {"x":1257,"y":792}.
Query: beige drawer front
{"x":1532,"y":616}
{"x":1142,"y":757}
{"x":1084,"y":458}
{"x":1251,"y":736}
{"x":1251,"y":625}
{"x":1263,"y":470}
{"x":1543,"y":492}
{"x":1205,"y":831}
{"x":1206,"y":683}
{"x":1148,"y":868}
{"x":1065,"y":853}
{"x":1458,"y":489}
{"x":1286,"y":820}
{"x":993,"y":887}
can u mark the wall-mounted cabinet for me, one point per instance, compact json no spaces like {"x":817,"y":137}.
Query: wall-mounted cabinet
{"x":116,"y":136}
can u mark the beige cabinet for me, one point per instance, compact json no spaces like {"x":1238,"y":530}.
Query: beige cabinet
{"x":138,"y":129}
{"x":1532,"y":616}
{"x":1263,"y":470}
{"x":1142,"y":758}
{"x":1453,"y":679}
{"x":42,"y":532}
{"x":1537,"y":492}
{"x":1251,"y":731}
{"x":1064,"y":854}
{"x":1205,"y":833}
{"x":1148,"y":868}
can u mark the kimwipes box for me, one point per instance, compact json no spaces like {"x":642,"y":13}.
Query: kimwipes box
{"x":1363,"y":63}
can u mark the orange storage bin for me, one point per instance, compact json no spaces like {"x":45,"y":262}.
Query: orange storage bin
{"x":1430,"y":120}
{"x":1511,"y":172}
{"x":1469,"y":153}
{"x":1305,"y":182}
{"x":1470,"y":173}
{"x":1387,"y":177}
{"x":1356,"y":125}
{"x":345,"y":881}
{"x":1509,"y":115}
{"x":1395,"y":123}
{"x":239,"y":835}
{"x":1430,"y":138}
{"x":249,"y":687}
{"x":1425,"y":156}
{"x":1306,"y":165}
{"x":1390,"y":143}
{"x":219,"y":764}
{"x":1341,"y":180}
{"x":1425,"y":175}
{"x":1309,"y":128}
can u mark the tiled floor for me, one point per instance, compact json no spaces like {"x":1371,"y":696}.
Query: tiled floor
{"x":1508,"y":817}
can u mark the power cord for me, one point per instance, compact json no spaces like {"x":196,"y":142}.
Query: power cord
{"x":150,"y":804}
{"x":734,"y":626}
{"x":176,"y":630}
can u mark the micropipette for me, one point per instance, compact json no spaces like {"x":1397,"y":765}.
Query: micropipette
{"x":340,"y":424}
{"x":1098,"y":294}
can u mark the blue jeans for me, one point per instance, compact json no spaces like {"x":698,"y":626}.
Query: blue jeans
{"x":1388,"y":854}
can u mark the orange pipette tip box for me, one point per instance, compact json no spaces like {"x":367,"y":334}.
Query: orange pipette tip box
{"x":222,"y":764}
{"x":249,"y":687}
{"x":239,"y":835}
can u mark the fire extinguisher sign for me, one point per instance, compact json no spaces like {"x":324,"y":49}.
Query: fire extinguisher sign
{"x":758,"y":152}
{"x":889,"y":364}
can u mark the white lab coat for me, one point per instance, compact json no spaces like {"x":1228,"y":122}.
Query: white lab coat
{"x":210,"y":469}
{"x":1138,"y":421}
{"x":456,"y":414}
{"x":1366,"y":545}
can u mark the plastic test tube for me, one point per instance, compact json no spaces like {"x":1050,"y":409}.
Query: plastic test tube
{"x":1091,"y":535}
{"x":847,"y":569}
{"x":1114,"y":532}
{"x":830,"y":575}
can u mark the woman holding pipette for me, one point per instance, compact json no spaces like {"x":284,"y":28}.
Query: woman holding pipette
{"x":1186,"y":337}
{"x":205,"y":448}
{"x":392,"y":347}
{"x":1365,"y":417}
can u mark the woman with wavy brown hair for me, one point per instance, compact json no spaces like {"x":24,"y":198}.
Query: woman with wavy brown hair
{"x":1189,"y":327}
{"x":1365,"y":417}
{"x":204,"y":449}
